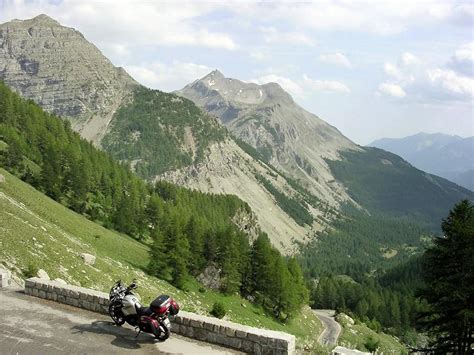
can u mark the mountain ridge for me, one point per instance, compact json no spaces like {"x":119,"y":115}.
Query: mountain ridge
{"x":266,"y":117}
{"x":448,"y":156}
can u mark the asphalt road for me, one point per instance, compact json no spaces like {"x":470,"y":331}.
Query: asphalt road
{"x":29,"y":325}
{"x":332,"y":329}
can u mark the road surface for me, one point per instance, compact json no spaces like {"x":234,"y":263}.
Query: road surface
{"x":332,"y":329}
{"x":30,"y":325}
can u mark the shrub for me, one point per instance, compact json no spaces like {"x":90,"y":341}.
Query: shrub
{"x":218,"y":310}
{"x":371,"y":344}
{"x":31,"y":270}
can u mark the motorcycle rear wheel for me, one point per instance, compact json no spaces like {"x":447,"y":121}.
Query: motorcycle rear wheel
{"x":118,"y":319}
{"x":162,"y":333}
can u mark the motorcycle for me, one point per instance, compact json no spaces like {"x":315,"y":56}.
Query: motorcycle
{"x":125,"y":306}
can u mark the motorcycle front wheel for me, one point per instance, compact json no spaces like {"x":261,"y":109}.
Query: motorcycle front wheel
{"x":116,"y":315}
{"x":162,"y":333}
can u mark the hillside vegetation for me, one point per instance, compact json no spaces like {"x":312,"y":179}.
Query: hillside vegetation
{"x":188,"y":230}
{"x":386,"y":184}
{"x":37,"y":232}
{"x":158,"y":132}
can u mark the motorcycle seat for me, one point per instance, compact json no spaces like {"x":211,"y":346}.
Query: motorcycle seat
{"x":145,"y":311}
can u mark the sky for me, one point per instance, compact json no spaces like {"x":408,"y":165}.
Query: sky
{"x":372,"y":69}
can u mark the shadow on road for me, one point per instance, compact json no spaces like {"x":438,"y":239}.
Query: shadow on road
{"x":124,"y":337}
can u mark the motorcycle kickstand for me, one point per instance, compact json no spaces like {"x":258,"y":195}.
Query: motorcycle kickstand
{"x":138,"y":332}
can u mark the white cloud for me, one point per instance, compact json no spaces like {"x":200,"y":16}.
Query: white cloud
{"x":259,"y":55}
{"x":118,"y":24}
{"x":402,"y":75}
{"x":377,"y":17}
{"x":167,"y":77}
{"x":336,"y":58}
{"x":428,"y":84}
{"x":294,"y":88}
{"x":463,"y":59}
{"x":391,"y":89}
{"x":465,"y":53}
{"x":302,"y":86}
{"x":452,"y":83}
{"x":408,"y":59}
{"x":272,"y":35}
{"x":326,"y":85}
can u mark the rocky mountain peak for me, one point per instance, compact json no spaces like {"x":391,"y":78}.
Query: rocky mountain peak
{"x":40,"y":20}
{"x":228,"y":90}
{"x":58,"y":68}
{"x":287,"y":136}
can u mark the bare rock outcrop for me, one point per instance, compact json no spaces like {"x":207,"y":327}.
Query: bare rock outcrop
{"x":59,"y":69}
{"x":88,"y":258}
{"x":42,"y":274}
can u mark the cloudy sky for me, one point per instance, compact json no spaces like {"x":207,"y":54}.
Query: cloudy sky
{"x":371,"y":68}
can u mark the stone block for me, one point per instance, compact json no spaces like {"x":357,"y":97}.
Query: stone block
{"x":200,"y":333}
{"x":29,"y":283}
{"x":257,"y":349}
{"x":4,"y":278}
{"x":281,"y":344}
{"x":256,"y":336}
{"x":42,"y":294}
{"x":233,"y":343}
{"x":208,"y":326}
{"x":61,"y":299}
{"x":240,"y":334}
{"x":73,"y":294}
{"x":82,"y":295}
{"x":195,"y":323}
{"x":247,"y":346}
{"x":189,"y":332}
{"x":230,"y":332}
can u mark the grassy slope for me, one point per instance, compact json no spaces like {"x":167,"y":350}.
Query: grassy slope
{"x":36,"y":229}
{"x":354,"y":336}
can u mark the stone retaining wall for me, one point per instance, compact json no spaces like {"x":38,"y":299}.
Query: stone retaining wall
{"x":208,"y":329}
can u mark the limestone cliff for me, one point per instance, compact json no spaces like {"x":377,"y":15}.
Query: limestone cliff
{"x":63,"y":72}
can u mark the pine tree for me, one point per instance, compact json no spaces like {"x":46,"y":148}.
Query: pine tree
{"x":448,"y":271}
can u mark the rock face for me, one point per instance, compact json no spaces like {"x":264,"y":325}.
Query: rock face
{"x":228,"y":169}
{"x":210,"y":277}
{"x":63,"y":72}
{"x":266,"y":117}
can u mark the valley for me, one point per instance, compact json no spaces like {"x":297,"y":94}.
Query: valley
{"x":227,"y":194}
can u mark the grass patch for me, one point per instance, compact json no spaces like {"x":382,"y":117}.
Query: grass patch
{"x":359,"y":336}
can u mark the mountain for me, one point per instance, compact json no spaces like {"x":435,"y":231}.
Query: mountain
{"x":451,"y":157}
{"x":161,"y":135}
{"x":287,"y":136}
{"x":279,"y":158}
{"x":316,"y":154}
{"x":63,"y":72}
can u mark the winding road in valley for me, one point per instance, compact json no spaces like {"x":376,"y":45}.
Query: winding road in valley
{"x":332,"y":329}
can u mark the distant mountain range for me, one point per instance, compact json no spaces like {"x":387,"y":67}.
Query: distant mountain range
{"x":451,"y":157}
{"x":218,"y":135}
